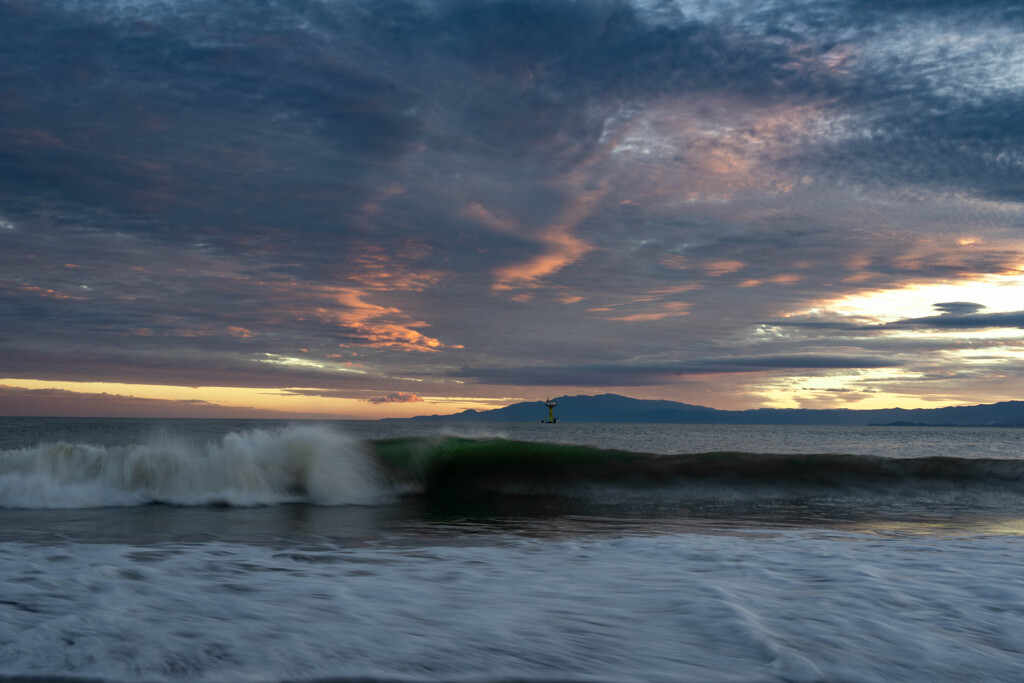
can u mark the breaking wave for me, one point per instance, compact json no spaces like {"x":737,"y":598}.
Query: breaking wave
{"x":317,"y":465}
{"x":259,"y":467}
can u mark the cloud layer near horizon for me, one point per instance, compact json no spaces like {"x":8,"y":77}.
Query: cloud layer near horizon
{"x":731,"y":204}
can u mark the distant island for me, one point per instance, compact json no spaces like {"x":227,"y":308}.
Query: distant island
{"x":615,"y":408}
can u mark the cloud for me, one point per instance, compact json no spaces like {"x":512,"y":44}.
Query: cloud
{"x":649,"y":375}
{"x":671,"y":309}
{"x":725,"y":267}
{"x":369,"y":324}
{"x":16,"y":401}
{"x":965,"y":320}
{"x":427,"y":190}
{"x":959,"y":307}
{"x":396,"y":397}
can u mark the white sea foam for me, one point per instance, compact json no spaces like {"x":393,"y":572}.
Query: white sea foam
{"x":312,"y":464}
{"x":787,"y":607}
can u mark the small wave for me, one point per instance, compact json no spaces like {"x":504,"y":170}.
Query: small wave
{"x":310,"y":464}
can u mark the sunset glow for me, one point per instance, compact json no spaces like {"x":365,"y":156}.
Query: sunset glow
{"x":996,"y":293}
{"x":366,"y":209}
{"x":295,"y":402}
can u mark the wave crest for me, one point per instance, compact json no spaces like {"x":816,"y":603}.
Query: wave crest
{"x":310,"y":464}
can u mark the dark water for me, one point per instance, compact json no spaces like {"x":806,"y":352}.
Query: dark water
{"x":224,"y":550}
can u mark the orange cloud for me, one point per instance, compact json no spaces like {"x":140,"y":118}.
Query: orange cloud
{"x":559,"y":246}
{"x":781,"y":279}
{"x":723,"y":267}
{"x":676,"y":261}
{"x":671,"y":309}
{"x":563,"y":249}
{"x":675,"y":289}
{"x":383,"y":270}
{"x":378,"y":326}
{"x":47,"y":293}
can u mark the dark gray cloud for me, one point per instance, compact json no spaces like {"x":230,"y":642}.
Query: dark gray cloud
{"x":962,"y":315}
{"x":935,"y":142}
{"x":976,"y":321}
{"x":958,"y":307}
{"x":362,"y":199}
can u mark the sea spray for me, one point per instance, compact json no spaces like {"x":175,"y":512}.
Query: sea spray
{"x":311,"y":464}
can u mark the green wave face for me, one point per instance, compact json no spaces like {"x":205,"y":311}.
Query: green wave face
{"x":473,"y":466}
{"x":458,"y":463}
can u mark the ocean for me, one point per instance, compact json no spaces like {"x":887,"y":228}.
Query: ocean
{"x":227,"y":550}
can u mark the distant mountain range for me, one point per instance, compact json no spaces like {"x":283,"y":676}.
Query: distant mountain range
{"x":615,"y":408}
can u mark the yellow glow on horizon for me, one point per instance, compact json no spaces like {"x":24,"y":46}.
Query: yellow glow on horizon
{"x":950,"y":347}
{"x":997,"y":293}
{"x":785,"y":392}
{"x":285,"y":401}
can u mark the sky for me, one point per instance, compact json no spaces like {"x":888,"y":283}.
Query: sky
{"x":384,"y":208}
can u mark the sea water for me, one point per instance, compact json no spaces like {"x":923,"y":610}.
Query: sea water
{"x":207,"y":550}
